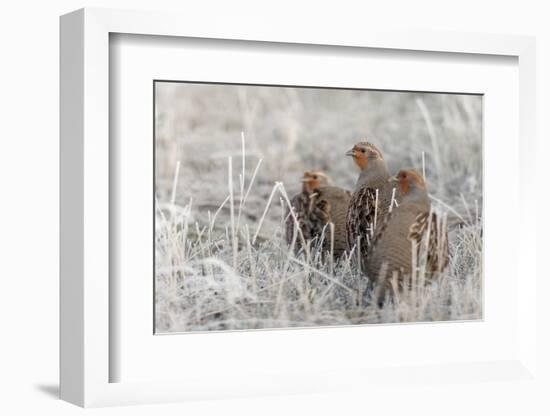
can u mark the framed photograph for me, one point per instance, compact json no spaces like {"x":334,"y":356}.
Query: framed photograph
{"x":260,"y":213}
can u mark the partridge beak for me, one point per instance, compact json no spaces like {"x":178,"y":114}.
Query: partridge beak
{"x":393,"y":179}
{"x":350,"y":152}
{"x":305,"y":180}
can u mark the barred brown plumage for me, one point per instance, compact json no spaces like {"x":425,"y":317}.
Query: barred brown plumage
{"x":412,"y":240}
{"x":315,"y":208}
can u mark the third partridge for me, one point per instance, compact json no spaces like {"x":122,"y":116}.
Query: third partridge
{"x":318,"y":205}
{"x":410,"y":225}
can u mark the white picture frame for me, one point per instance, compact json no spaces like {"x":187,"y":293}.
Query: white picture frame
{"x":86,"y":307}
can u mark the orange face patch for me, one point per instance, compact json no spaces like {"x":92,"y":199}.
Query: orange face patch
{"x":360,"y":157}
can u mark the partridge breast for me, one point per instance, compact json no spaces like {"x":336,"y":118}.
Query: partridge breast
{"x":367,"y":210}
{"x":314,"y":213}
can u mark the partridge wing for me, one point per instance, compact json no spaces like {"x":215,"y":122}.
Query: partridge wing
{"x":430,"y":235}
{"x":438,"y":253}
{"x":380,"y":230}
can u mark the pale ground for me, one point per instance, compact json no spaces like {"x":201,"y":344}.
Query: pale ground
{"x":198,"y":127}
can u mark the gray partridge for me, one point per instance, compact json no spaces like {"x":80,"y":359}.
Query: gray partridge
{"x":371,"y":198}
{"x":318,"y":205}
{"x":410,"y":226}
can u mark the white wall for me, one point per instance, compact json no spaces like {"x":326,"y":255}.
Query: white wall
{"x":29,"y":57}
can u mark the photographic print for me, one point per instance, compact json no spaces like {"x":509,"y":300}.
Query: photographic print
{"x":284,"y":207}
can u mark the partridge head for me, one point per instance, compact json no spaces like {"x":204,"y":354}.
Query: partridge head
{"x":411,"y":186}
{"x":365,"y":155}
{"x":313,"y":180}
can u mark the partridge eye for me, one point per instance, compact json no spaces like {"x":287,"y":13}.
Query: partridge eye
{"x":362,"y":150}
{"x":314,"y":176}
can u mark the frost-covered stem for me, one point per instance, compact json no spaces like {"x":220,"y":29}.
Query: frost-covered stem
{"x":252,"y":180}
{"x":260,"y":223}
{"x":296,"y":223}
{"x":442,"y":242}
{"x":375,"y":213}
{"x":232,"y":210}
{"x":185,"y":230}
{"x":359,"y":254}
{"x":424,"y":166}
{"x":427,"y":243}
{"x":431,"y":132}
{"x":217,"y":212}
{"x":175,"y":184}
{"x":414,"y":271}
{"x":332,"y":249}
{"x":393,"y":200}
{"x":477,"y":213}
{"x":209,"y":234}
{"x":157,"y":206}
{"x":241,"y":181}
{"x":243,"y":160}
{"x":250,"y":258}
